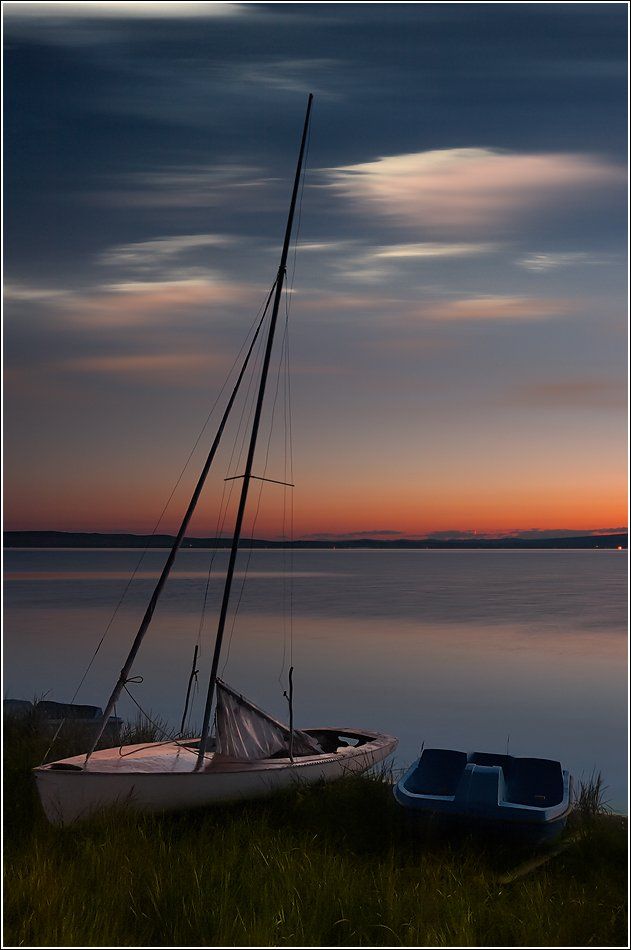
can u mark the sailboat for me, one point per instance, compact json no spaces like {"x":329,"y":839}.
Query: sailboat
{"x":252,"y":753}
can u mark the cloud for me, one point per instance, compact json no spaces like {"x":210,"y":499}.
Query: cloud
{"x":293,"y":75}
{"x":31,"y":292}
{"x":456,"y":535}
{"x":169,"y":367}
{"x":533,"y":534}
{"x":429,"y":250}
{"x":495,"y":308}
{"x":187,"y":186}
{"x":377,"y":533}
{"x":470,"y":188}
{"x":407,"y":310}
{"x":324,"y":246}
{"x":587,"y":393}
{"x":147,"y":254}
{"x":136,"y":302}
{"x":544,"y":262}
{"x":377,"y":263}
{"x":530,"y":534}
{"x":119,"y":10}
{"x":332,"y":304}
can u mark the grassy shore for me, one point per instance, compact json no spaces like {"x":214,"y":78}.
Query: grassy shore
{"x":328,"y":865}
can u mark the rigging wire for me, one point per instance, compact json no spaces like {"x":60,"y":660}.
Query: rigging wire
{"x":248,"y":404}
{"x":154,"y":530}
{"x":291,"y":518}
{"x":193,"y":680}
{"x":288,"y":536}
{"x":288,"y":599}
{"x":224,"y":504}
{"x":299,"y":221}
{"x":260,"y":315}
{"x":170,"y":735}
{"x":222,"y":513}
{"x":291,"y":503}
{"x":225,"y":602}
{"x":283,"y":363}
{"x":254,"y":520}
{"x":287,"y":440}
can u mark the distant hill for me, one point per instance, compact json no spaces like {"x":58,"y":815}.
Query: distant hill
{"x":67,"y":539}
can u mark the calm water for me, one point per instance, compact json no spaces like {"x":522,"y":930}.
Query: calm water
{"x":465,"y":649}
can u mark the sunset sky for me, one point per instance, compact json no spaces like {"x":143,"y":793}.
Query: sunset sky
{"x":458,"y":326}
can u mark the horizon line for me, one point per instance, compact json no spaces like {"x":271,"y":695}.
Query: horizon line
{"x":531,"y":534}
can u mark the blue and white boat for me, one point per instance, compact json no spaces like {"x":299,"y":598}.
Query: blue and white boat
{"x":526,"y":796}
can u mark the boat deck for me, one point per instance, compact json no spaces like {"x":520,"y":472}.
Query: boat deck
{"x":181,"y":756}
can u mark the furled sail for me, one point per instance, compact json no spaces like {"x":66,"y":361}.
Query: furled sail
{"x":246,"y":733}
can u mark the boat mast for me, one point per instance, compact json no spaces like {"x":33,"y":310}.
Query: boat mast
{"x":250,"y":457}
{"x":166,"y":570}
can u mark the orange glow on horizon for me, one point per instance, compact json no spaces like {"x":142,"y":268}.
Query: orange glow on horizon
{"x":404,"y":514}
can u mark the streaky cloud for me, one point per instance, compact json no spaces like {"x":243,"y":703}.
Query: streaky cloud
{"x":377,"y":263}
{"x":577,"y":393}
{"x":119,"y":9}
{"x":171,"y":368}
{"x":131,"y":302}
{"x":549,"y":261}
{"x":528,"y":534}
{"x":304,"y":75}
{"x":158,"y":250}
{"x":183,"y":186}
{"x":377,"y":533}
{"x":33,"y":292}
{"x":469,"y":189}
{"x":430,"y":250}
{"x":495,"y":308}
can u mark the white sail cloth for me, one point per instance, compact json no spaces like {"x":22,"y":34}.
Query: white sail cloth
{"x":246,"y":733}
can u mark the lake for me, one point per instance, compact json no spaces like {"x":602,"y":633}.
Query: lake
{"x":475,"y":650}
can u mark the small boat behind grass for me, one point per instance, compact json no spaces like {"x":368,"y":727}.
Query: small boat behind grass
{"x":528,"y":797}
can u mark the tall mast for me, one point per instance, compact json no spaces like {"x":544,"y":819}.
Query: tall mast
{"x":250,"y":457}
{"x":166,"y":570}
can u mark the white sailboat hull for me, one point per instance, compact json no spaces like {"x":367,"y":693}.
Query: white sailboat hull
{"x":161,"y":777}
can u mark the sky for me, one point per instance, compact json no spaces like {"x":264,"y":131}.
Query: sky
{"x":457,"y":329}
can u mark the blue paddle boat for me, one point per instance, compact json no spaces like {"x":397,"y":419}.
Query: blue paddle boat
{"x":528,"y":797}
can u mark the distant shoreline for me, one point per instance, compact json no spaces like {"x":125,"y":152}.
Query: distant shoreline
{"x":68,"y":539}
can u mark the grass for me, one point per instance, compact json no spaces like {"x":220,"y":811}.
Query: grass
{"x":322,"y":866}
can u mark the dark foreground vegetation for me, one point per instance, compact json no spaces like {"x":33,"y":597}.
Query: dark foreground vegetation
{"x":330,"y":865}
